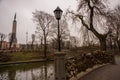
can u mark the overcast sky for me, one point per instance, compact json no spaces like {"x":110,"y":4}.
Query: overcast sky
{"x":24,"y":9}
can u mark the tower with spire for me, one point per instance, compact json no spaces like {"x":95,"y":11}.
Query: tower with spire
{"x":14,"y":31}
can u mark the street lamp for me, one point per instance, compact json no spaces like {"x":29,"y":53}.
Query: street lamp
{"x":58,"y":13}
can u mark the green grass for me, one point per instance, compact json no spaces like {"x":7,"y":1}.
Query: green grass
{"x":25,"y":56}
{"x":21,"y":56}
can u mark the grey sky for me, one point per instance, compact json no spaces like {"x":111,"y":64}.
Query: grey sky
{"x":24,"y":9}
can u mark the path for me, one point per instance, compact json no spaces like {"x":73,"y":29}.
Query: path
{"x":108,"y":72}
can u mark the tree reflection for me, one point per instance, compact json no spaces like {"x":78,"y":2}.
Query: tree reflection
{"x":35,"y":71}
{"x":45,"y":69}
{"x":12,"y":74}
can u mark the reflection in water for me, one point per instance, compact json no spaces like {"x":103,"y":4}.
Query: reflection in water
{"x":33,"y":71}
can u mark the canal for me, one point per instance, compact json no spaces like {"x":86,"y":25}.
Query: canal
{"x":28,"y":71}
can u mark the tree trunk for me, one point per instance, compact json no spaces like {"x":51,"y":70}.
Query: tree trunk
{"x":41,"y":43}
{"x":90,"y":27}
{"x":103,"y":44}
{"x":11,"y":41}
{"x":45,"y":46}
{"x":0,"y":44}
{"x":9,"y":45}
{"x":32,"y":46}
{"x":118,"y":42}
{"x":102,"y":39}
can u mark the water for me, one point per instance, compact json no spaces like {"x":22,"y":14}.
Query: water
{"x":29,"y":71}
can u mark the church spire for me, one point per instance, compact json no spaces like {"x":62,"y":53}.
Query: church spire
{"x":15,"y":16}
{"x":14,"y":30}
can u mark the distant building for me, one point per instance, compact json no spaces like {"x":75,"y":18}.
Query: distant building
{"x":5,"y":45}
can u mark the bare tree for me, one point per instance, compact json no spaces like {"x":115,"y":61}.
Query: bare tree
{"x":87,"y":38}
{"x":92,"y":15}
{"x":114,"y":23}
{"x":43,"y":21}
{"x":64,"y":31}
{"x":2,"y":37}
{"x":118,"y":26}
{"x":33,"y":40}
{"x":39,"y":37}
{"x":74,"y":42}
{"x":10,"y":38}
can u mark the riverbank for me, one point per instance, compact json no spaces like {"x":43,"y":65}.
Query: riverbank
{"x":24,"y":57}
{"x":27,"y":61}
{"x":35,"y":56}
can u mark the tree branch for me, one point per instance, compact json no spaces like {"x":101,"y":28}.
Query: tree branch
{"x":83,"y":22}
{"x":81,"y":18}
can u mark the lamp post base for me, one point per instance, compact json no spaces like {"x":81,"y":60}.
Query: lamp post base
{"x":60,"y":72}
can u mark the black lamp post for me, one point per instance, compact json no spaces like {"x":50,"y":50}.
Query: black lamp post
{"x":58,"y":13}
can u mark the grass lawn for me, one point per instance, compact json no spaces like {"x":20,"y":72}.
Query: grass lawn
{"x":23,"y":56}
